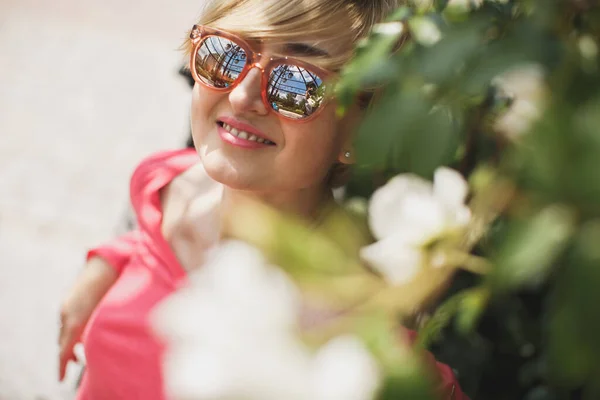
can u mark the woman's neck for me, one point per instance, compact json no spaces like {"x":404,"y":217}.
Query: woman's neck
{"x":306,"y":204}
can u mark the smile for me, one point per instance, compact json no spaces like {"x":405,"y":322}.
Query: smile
{"x":245,"y":135}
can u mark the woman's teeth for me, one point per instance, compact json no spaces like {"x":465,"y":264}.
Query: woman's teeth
{"x":245,"y":135}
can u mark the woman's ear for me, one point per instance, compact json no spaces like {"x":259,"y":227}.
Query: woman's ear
{"x":346,"y":155}
{"x":348,"y":127}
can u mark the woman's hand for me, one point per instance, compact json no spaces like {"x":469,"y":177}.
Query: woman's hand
{"x":95,"y":280}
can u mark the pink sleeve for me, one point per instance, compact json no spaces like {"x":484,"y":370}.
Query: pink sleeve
{"x":448,"y":386}
{"x":117,"y":252}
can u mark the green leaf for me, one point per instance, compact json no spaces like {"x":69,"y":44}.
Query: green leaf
{"x":521,"y":46}
{"x":431,"y":143}
{"x":386,"y":127}
{"x":443,"y":315}
{"x":401,"y":14}
{"x":531,"y":246}
{"x":471,"y":308}
{"x":405,"y":371}
{"x":440,"y":63}
{"x":404,"y":133}
{"x":440,"y":5}
{"x":370,"y":62}
{"x":409,"y":385}
{"x":574,"y":319}
{"x":467,"y":306}
{"x":570,"y":360}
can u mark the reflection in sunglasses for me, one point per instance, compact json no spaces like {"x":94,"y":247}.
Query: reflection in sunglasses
{"x":220,"y":61}
{"x":294,"y":90}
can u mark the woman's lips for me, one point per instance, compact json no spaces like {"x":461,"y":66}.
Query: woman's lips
{"x":244,"y":130}
{"x":230,"y":138}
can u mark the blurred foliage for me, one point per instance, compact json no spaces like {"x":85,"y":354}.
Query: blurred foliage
{"x":529,"y":329}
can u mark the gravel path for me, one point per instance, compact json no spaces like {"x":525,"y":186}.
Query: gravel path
{"x":87,"y":88}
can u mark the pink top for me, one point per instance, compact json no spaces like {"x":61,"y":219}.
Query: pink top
{"x":124,"y":358}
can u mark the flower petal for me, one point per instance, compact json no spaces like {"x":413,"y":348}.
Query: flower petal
{"x":424,"y":218}
{"x":190,"y":373}
{"x":462,"y":216}
{"x":386,"y":205}
{"x":450,"y":187}
{"x":398,"y":263}
{"x":344,"y":369}
{"x":235,"y":282}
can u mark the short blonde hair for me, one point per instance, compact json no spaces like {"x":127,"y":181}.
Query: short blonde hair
{"x":341,"y":23}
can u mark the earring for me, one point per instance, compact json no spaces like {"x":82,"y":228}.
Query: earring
{"x":347,"y":154}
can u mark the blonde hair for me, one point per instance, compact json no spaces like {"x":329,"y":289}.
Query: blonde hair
{"x":339,"y":23}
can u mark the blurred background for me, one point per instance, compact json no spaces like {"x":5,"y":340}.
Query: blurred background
{"x":88,"y":88}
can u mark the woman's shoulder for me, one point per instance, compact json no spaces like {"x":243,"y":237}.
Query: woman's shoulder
{"x":160,"y":168}
{"x":153,"y":174}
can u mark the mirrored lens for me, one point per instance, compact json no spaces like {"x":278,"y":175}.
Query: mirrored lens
{"x":219,"y":61}
{"x":295,"y":92}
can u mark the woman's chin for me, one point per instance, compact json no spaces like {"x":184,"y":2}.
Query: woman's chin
{"x":231,"y":176}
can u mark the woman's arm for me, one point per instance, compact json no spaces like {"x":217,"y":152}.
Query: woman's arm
{"x":103,"y":266}
{"x":95,"y":280}
{"x":117,"y":252}
{"x":448,"y":387}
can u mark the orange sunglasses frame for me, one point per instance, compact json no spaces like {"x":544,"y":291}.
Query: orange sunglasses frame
{"x":254,"y":59}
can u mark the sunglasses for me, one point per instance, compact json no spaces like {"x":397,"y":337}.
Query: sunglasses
{"x":291,"y":88}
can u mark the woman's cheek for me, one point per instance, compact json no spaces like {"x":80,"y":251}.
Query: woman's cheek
{"x":203,"y":108}
{"x":312,"y":150}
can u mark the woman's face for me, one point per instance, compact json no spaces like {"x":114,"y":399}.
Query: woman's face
{"x":302,"y":153}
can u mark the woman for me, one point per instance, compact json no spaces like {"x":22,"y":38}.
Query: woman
{"x":254,"y":141}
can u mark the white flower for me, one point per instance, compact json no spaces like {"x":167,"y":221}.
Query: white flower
{"x":425,"y":31}
{"x":389,"y":28}
{"x":232,"y":334}
{"x":344,"y":369}
{"x":588,"y":47}
{"x":235,"y":281}
{"x":409,"y":213}
{"x":463,"y":6}
{"x":525,"y":84}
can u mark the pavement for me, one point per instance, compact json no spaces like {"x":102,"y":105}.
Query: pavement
{"x":87,"y":89}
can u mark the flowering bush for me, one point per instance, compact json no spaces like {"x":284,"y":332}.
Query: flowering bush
{"x":478,"y":165}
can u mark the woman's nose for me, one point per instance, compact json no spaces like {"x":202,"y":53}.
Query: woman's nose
{"x":246,"y":96}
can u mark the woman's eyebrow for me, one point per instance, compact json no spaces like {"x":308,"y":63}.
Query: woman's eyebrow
{"x":303,"y":49}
